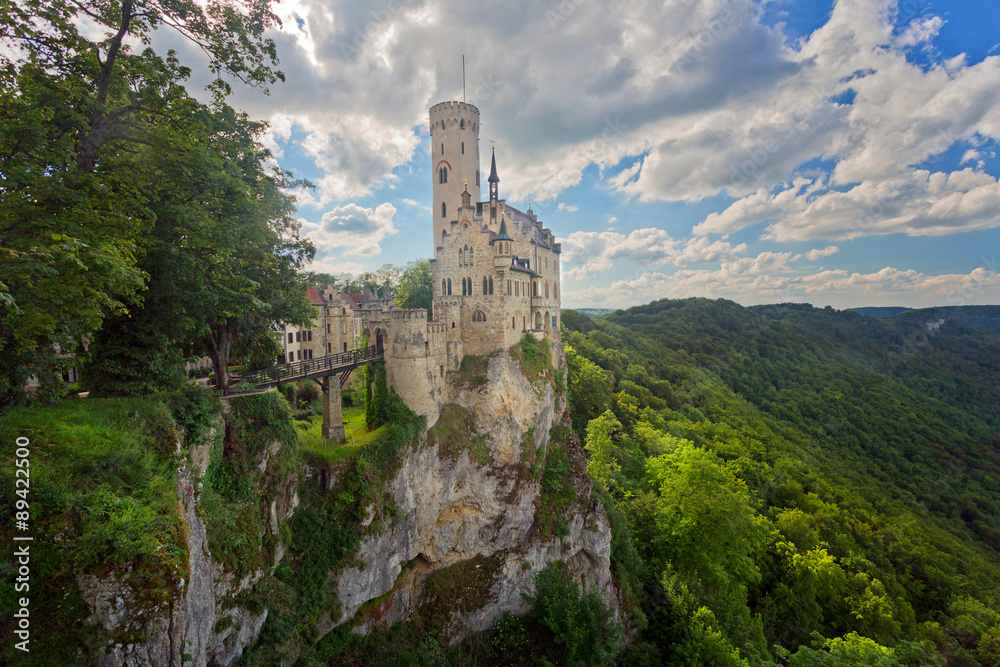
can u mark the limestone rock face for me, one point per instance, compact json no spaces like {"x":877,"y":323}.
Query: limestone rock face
{"x":468,"y":512}
{"x":184,"y":631}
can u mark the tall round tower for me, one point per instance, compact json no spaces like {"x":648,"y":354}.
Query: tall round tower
{"x":454,"y":156}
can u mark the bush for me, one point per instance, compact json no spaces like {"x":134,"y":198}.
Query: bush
{"x":580,"y":623}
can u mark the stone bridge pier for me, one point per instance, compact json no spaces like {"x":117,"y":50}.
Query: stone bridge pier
{"x":333,"y":416}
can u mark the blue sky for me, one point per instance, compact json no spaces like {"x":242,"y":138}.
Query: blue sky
{"x":841,"y":153}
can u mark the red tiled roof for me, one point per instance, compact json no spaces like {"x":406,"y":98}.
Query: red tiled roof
{"x":315,"y":296}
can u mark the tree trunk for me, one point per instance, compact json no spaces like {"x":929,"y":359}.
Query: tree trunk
{"x":217,"y":345}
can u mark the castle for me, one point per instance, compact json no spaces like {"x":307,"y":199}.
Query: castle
{"x":495,"y":276}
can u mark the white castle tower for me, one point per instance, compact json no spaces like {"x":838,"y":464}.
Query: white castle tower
{"x":454,"y":130}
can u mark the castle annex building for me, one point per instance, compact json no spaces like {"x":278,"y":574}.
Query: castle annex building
{"x":495,"y":272}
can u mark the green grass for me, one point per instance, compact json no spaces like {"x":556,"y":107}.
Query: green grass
{"x":311,"y":438}
{"x":103,"y":497}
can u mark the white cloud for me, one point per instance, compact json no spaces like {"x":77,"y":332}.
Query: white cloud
{"x":586,"y":254}
{"x":567,"y":207}
{"x":747,"y":283}
{"x":352,"y":229}
{"x":817,"y":253}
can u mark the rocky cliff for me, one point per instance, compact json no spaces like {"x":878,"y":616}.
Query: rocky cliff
{"x":448,"y":524}
{"x":490,"y":495}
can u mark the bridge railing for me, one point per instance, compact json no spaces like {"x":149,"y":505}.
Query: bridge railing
{"x":299,"y":369}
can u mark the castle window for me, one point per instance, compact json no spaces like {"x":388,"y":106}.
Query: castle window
{"x":471,"y":256}
{"x":444,"y":210}
{"x":463,"y":148}
{"x":546,"y":289}
{"x":477,"y":177}
{"x":449,"y":286}
{"x":486,"y":286}
{"x":517,"y":289}
{"x":513,"y":323}
{"x":508,"y":288}
{"x":491,"y":285}
{"x":329,"y":348}
{"x":328,"y":327}
{"x":442,"y":149}
{"x":343,"y":311}
{"x":554,"y":320}
{"x":443,"y":175}
{"x":461,"y":124}
{"x":345,"y":347}
{"x":479,"y":316}
{"x":298,"y":336}
{"x":289,"y":338}
{"x":444,"y":287}
{"x":310,"y":334}
{"x":452,"y":325}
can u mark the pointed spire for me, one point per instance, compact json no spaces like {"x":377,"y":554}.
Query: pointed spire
{"x":493,"y":169}
{"x":502,"y":235}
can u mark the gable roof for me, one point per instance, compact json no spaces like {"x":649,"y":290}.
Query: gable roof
{"x":315,"y":297}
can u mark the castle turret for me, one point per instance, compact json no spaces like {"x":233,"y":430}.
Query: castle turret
{"x":454,"y":130}
{"x":501,"y":246}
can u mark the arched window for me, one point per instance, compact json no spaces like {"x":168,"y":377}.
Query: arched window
{"x":508,"y":288}
{"x":471,"y":256}
{"x":444,"y":210}
{"x":449,"y":286}
{"x":463,"y":148}
{"x":538,"y":320}
{"x":534,"y":288}
{"x":442,"y":125}
{"x":513,"y":322}
{"x":486,"y":286}
{"x":444,"y":287}
{"x":463,"y":286}
{"x":479,"y":316}
{"x":461,"y":257}
{"x":546,"y":289}
{"x":461,"y":124}
{"x":491,"y":285}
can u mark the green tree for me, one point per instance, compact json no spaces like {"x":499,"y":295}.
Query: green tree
{"x":414,"y":289}
{"x":589,"y":389}
{"x":601,"y":443}
{"x":73,"y":111}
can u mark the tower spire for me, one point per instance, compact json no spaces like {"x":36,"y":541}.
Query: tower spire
{"x":494,"y":181}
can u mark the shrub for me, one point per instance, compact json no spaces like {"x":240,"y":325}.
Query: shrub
{"x":580,"y":622}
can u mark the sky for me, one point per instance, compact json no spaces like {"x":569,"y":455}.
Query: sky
{"x":839,"y":153}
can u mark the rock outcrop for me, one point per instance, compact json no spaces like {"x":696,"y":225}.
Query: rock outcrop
{"x":470,"y":533}
{"x":203,"y":624}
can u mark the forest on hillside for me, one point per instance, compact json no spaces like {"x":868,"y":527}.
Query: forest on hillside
{"x":794,"y":484}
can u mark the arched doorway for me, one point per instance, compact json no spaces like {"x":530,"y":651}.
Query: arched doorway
{"x":538,"y":320}
{"x":378,"y":339}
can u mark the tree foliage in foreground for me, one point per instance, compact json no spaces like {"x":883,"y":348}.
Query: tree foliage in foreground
{"x":104,"y":158}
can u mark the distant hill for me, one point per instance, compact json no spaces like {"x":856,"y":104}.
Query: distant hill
{"x":853,"y":460}
{"x":880,"y":311}
{"x":595,"y":312}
